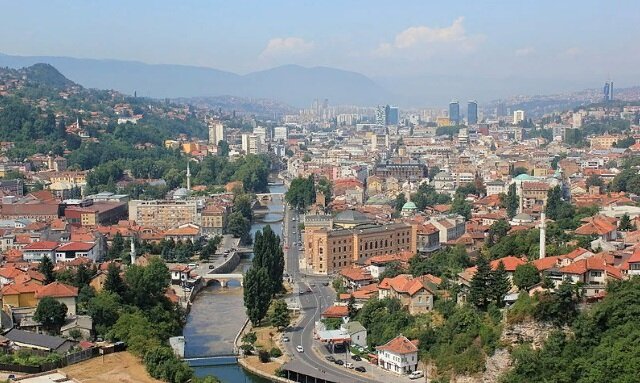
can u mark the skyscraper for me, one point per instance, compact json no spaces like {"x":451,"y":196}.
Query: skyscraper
{"x":216,"y":132}
{"x":391,"y":115}
{"x":454,"y":112}
{"x":518,"y":115}
{"x":472,"y":112}
{"x":608,"y":91}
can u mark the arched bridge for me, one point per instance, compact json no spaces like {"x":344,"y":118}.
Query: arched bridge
{"x":263,"y":197}
{"x":224,"y":278}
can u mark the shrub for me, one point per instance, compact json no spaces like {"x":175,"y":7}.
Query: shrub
{"x":264,"y":357}
{"x":275,"y":352}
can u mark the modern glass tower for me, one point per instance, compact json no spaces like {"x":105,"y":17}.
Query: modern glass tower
{"x":454,"y":112}
{"x":472,"y":112}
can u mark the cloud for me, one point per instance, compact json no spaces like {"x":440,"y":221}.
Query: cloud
{"x":286,"y":46}
{"x":572,"y":52}
{"x":429,"y":39}
{"x":526,"y":51}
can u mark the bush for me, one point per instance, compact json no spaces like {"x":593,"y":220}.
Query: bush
{"x":264,"y":356}
{"x":523,"y":309}
{"x":275,"y":352}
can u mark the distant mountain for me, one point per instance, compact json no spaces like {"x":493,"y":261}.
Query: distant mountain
{"x":291,"y":84}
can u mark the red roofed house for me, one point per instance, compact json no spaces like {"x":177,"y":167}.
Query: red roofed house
{"x":35,"y":251}
{"x":62,"y":293}
{"x":399,"y":355}
{"x":632,"y":265}
{"x":356,"y":277}
{"x":339,"y":312}
{"x":604,"y":227}
{"x":414,"y":293}
{"x":510,"y":263}
{"x":72,"y":250}
{"x":594,"y":273}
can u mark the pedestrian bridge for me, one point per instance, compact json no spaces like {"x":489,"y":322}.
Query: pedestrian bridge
{"x":224,"y":279}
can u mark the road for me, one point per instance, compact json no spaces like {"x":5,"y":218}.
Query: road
{"x":312,"y":305}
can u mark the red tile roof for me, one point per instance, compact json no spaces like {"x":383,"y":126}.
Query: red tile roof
{"x":57,"y":290}
{"x":41,"y":246}
{"x":596,"y":225}
{"x":399,"y":345}
{"x":510,"y":263}
{"x":405,"y":283}
{"x":546,"y":263}
{"x":76,"y":246}
{"x":336,"y":312}
{"x":356,"y":274}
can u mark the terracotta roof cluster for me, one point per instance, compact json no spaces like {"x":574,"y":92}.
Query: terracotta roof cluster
{"x":400,"y":345}
{"x":407,"y":284}
{"x":598,"y":225}
{"x":335,"y":312}
{"x":356,"y":274}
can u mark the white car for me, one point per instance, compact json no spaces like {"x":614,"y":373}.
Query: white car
{"x":416,"y":375}
{"x":348,"y":365}
{"x":299,"y":348}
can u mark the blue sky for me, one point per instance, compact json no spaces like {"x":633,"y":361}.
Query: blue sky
{"x":575,"y":41}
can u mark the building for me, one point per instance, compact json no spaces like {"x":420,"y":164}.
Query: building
{"x":37,"y":250}
{"x":472,"y":112}
{"x":62,"y":293}
{"x":213,"y":219}
{"x":391,"y":115}
{"x":401,"y":169}
{"x":399,"y":355}
{"x":216,"y":133}
{"x":357,"y":333}
{"x":70,"y":251}
{"x":280,"y":133}
{"x":101,"y":213}
{"x":251,"y":144}
{"x":33,"y":341}
{"x":163,"y":214}
{"x":518,"y":116}
{"x":328,"y":251}
{"x":451,"y":227}
{"x":415,"y":294}
{"x":454,"y":112}
{"x":12,"y":187}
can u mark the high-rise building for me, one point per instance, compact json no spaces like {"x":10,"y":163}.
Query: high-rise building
{"x":251,"y":144}
{"x":216,"y":132}
{"x":472,"y":112}
{"x":454,"y":112}
{"x":391,"y":115}
{"x":518,"y":116}
{"x":608,"y":91}
{"x":380,"y":115}
{"x":280,"y":133}
{"x":501,"y":109}
{"x":261,"y":132}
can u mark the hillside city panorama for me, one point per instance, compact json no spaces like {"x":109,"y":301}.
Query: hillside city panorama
{"x":369,"y":192}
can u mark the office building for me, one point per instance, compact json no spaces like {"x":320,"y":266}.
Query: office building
{"x":391,"y":115}
{"x":262,"y":134}
{"x":163,"y":214}
{"x":608,"y":91}
{"x":518,"y":116}
{"x":216,"y":132}
{"x":280,"y":133}
{"x":454,"y":112}
{"x":472,"y":112}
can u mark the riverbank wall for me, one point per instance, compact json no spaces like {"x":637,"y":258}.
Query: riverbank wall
{"x":229,"y":264}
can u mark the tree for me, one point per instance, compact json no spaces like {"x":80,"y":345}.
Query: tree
{"x":559,"y":307}
{"x":46,"y":269}
{"x":497,"y":231}
{"x":257,"y":294}
{"x":268,"y":254}
{"x":114,"y":283}
{"x":82,"y":276}
{"x":210,"y":248}
{"x":526,"y":276}
{"x":399,"y":202}
{"x":594,"y":180}
{"x":625,"y":223}
{"x":301,"y":193}
{"x":51,"y":314}
{"x":461,"y":206}
{"x":280,"y":314}
{"x":242,"y":203}
{"x":519,"y":170}
{"x":480,"y":290}
{"x":392,"y":269}
{"x":104,"y":309}
{"x":238,"y":226}
{"x":351,"y":306}
{"x":223,"y":148}
{"x":557,"y":208}
{"x":500,"y":284}
{"x":117,"y":246}
{"x":147,"y":285}
{"x":511,"y":202}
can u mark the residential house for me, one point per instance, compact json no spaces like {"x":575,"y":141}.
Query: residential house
{"x":82,"y":323}
{"x":37,"y":250}
{"x":71,"y":251}
{"x":632,"y":265}
{"x":356,"y":277}
{"x":179,"y":274}
{"x":183,"y":233}
{"x":603,"y":227}
{"x":593,"y":273}
{"x":357,"y":333}
{"x":427,"y":238}
{"x":399,"y":355}
{"x":21,"y":339}
{"x":60,"y":292}
{"x":414,"y":293}
{"x":335,"y":312}
{"x":19,"y":295}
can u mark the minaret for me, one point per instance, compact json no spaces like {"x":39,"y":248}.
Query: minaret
{"x":543,"y":236}
{"x":521,"y":202}
{"x":188,"y":179}
{"x":133,"y":250}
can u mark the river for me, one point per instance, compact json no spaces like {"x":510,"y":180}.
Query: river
{"x":217,"y":314}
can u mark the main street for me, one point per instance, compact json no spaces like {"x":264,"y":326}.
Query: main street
{"x":311,"y":304}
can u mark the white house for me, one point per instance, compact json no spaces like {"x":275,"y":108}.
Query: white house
{"x":357,"y":333}
{"x":37,"y":250}
{"x":67,"y":252}
{"x":399,"y":355}
{"x":62,"y":293}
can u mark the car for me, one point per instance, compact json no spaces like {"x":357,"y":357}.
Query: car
{"x":193,"y":265}
{"x":300,"y":249}
{"x":330,"y":358}
{"x":360,"y":349}
{"x":325,"y":283}
{"x":300,"y":292}
{"x":357,"y":358}
{"x":416,"y":374}
{"x":293,"y":219}
{"x":339,"y":362}
{"x":348,"y":365}
{"x":299,"y":348}
{"x":212,"y":267}
{"x":285,"y":338}
{"x":360,"y":369}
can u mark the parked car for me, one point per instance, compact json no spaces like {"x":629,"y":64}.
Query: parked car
{"x":357,"y":358}
{"x":416,"y":375}
{"x":325,"y":283}
{"x":285,"y":339}
{"x":339,"y":362}
{"x":299,"y":348}
{"x":348,"y":365}
{"x":330,"y":358}
{"x":360,"y":369}
{"x":212,"y":267}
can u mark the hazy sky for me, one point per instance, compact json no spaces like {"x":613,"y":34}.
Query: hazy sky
{"x":576,"y":41}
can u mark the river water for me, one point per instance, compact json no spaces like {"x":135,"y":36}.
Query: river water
{"x":217,"y":314}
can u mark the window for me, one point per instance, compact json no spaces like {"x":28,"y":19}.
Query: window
{"x":596,"y":274}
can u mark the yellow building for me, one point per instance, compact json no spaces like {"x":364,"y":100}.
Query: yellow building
{"x":443,"y":121}
{"x":19,"y":295}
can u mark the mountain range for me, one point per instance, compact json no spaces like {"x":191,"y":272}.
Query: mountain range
{"x":291,"y":84}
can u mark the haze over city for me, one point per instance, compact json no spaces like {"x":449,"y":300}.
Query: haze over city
{"x":423,"y":53}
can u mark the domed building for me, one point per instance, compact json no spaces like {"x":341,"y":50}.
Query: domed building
{"x":350,"y":218}
{"x":408,"y":209}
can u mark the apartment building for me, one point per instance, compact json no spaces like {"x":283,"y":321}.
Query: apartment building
{"x":164,"y":214}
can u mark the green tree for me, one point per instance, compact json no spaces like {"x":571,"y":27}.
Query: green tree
{"x":526,"y":276}
{"x":557,"y":208}
{"x":500,"y":284}
{"x":223,"y":148}
{"x":391,"y":270}
{"x":242,"y":203}
{"x":480,"y":293}
{"x":46,"y":269}
{"x":301,"y":193}
{"x":147,"y":285}
{"x":113,"y":282}
{"x":104,"y":309}
{"x":594,"y":180}
{"x":238,"y":225}
{"x":625,"y":223}
{"x":351,"y":306}
{"x":257,"y":294}
{"x":280,"y":315}
{"x":399,"y":202}
{"x":510,"y":201}
{"x":117,"y":246}
{"x":51,"y":314}
{"x":461,"y":206}
{"x":268,"y":254}
{"x":497,"y":231}
{"x":83,"y":276}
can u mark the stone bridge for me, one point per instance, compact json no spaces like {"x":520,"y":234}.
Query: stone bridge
{"x":268,"y":196}
{"x":223,"y":278}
